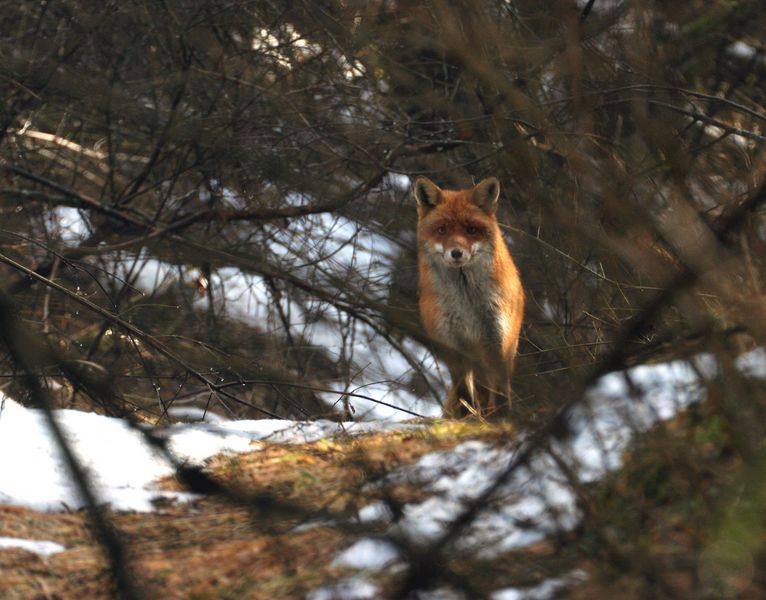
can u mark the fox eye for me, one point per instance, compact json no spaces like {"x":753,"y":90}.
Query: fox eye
{"x":471,"y":229}
{"x":441,"y":230}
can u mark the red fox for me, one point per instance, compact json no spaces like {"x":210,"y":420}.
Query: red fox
{"x":471,"y":299}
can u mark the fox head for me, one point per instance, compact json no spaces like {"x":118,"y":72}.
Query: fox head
{"x":456,"y":227}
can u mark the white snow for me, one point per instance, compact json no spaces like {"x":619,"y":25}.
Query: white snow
{"x":117,"y":458}
{"x":333,"y":249}
{"x":33,"y":472}
{"x":535,"y":501}
{"x":745,"y":51}
{"x":377,"y":511}
{"x":753,"y":363}
{"x":442,"y":593}
{"x":538,"y":499}
{"x":69,"y":225}
{"x":546,"y":590}
{"x":399,"y":181}
{"x":367,"y":553}
{"x":353,"y":588}
{"x":245,"y":298}
{"x":40,"y":547}
{"x":193,"y":413}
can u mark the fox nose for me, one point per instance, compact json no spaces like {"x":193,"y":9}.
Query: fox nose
{"x":456,"y":253}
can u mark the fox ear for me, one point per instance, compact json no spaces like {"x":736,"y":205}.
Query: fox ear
{"x":486,"y":193}
{"x":427,"y":193}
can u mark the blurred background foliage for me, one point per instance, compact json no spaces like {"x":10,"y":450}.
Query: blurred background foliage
{"x":160,"y":159}
{"x":229,"y":183}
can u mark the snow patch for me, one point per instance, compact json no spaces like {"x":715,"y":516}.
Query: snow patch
{"x":538,"y":498}
{"x":353,"y":588}
{"x":745,"y":51}
{"x":39,"y":547}
{"x":368,"y":553}
{"x":193,"y":413}
{"x":121,"y":465}
{"x":69,"y":225}
{"x":547,"y":590}
{"x":377,"y":511}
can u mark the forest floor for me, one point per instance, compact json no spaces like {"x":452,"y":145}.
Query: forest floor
{"x":638,"y":531}
{"x":214,"y":547}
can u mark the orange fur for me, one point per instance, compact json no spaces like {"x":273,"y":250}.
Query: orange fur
{"x":471,"y":298}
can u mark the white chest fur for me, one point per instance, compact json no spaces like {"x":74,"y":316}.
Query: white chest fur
{"x":469,"y":304}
